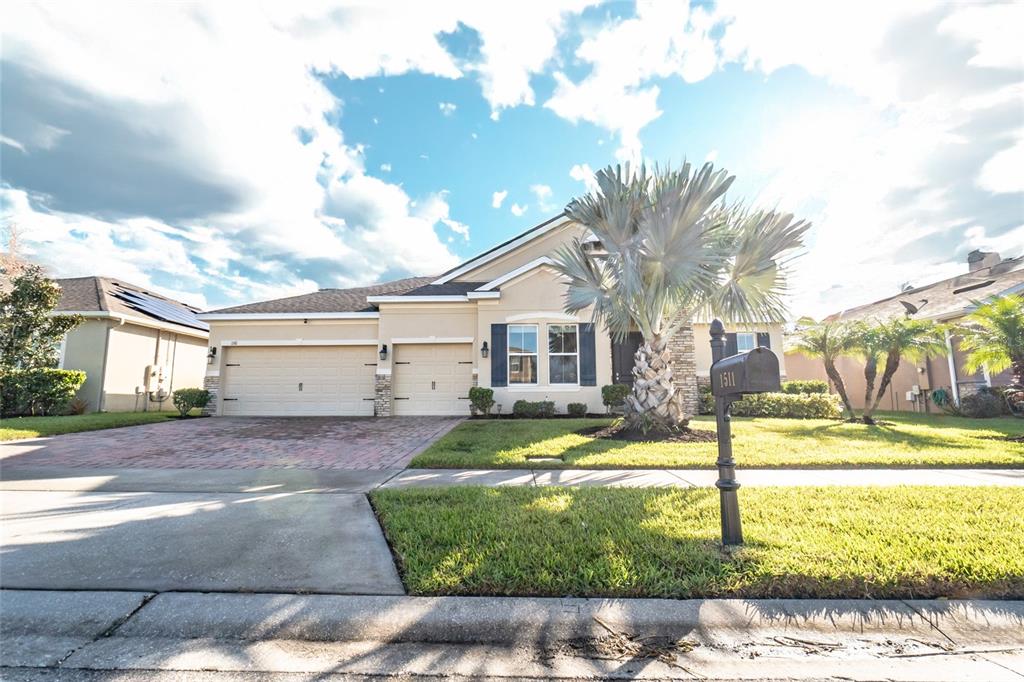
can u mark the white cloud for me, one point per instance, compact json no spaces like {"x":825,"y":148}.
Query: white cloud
{"x":518,"y":210}
{"x":498,"y":197}
{"x":543,"y":195}
{"x":583,"y":173}
{"x":711,"y":156}
{"x":385,"y":167}
{"x":447,"y":108}
{"x":277,"y":213}
{"x":663,"y":39}
{"x":1002,"y":173}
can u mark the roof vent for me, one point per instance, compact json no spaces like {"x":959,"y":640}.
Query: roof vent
{"x":977,"y":285}
{"x":978,"y":260}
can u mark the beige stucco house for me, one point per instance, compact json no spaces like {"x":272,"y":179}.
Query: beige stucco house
{"x":135,"y":346}
{"x":416,"y":346}
{"x":988,"y":276}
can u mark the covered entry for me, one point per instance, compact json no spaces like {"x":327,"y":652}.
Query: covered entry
{"x":299,"y":380}
{"x":432,"y":378}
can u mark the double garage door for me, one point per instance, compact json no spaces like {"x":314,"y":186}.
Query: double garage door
{"x":427,"y":379}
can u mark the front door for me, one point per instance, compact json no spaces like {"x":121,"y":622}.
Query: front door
{"x":622,"y":358}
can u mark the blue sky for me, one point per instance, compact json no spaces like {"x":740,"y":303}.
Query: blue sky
{"x":335,"y":146}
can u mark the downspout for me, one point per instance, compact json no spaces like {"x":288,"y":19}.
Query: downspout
{"x":952,"y":369}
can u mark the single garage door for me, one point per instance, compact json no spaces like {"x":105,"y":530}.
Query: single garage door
{"x":299,"y":381}
{"x":432,"y":378}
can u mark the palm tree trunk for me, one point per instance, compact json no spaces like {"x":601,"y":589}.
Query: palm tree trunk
{"x":654,"y":402}
{"x":837,"y":380}
{"x":870,"y":373}
{"x":892,"y":363}
{"x":1017,"y":370}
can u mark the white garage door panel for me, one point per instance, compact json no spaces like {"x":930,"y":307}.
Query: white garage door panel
{"x":264,"y":381}
{"x":432,"y":378}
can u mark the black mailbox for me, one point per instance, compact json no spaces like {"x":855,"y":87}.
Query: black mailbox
{"x":755,"y":371}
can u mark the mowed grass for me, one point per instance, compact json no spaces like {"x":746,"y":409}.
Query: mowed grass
{"x":34,"y":427}
{"x":800,"y":542}
{"x":909,"y":441}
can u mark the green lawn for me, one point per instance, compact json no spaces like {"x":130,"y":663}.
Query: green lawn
{"x":34,"y":427}
{"x":911,"y":440}
{"x":908,"y":542}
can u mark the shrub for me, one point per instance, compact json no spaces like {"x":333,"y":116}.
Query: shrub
{"x":705,"y":401}
{"x":38,"y":391}
{"x":528,"y":409}
{"x":78,"y":406}
{"x":981,"y":405}
{"x":186,"y":399}
{"x":805,"y":386}
{"x":481,"y":399}
{"x":577,"y":409}
{"x":790,"y":406}
{"x":613,"y":395}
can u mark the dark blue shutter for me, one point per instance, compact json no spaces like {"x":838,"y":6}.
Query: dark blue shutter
{"x":588,"y":356}
{"x":499,"y":355}
{"x":764,"y":340}
{"x":730,"y":345}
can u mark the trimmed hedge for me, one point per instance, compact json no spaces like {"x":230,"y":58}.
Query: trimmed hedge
{"x":789,"y":406}
{"x":614,"y":395}
{"x":528,"y":409}
{"x":481,"y":399}
{"x":577,"y":409}
{"x":984,"y":404}
{"x":804,"y":386}
{"x":186,"y":399}
{"x":38,"y":392}
{"x":705,"y":401}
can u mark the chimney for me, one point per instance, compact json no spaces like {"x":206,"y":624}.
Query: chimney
{"x":979,"y":260}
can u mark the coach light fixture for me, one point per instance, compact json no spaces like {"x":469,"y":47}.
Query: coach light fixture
{"x":484,"y":350}
{"x":384,"y":352}
{"x":211,"y":355}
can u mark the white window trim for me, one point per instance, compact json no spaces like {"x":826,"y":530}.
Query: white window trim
{"x":508,"y":356}
{"x":577,"y":354}
{"x":753,"y":341}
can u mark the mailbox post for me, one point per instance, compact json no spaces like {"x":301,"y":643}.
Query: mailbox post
{"x":755,"y":371}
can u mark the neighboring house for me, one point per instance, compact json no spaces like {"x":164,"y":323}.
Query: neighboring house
{"x":136,"y":347}
{"x":416,"y":346}
{"x":947,"y":301}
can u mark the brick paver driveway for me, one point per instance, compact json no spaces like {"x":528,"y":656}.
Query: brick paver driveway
{"x":239,"y":443}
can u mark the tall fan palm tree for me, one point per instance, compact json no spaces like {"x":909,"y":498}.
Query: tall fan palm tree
{"x":993,"y":337}
{"x":901,"y":338}
{"x":672,"y":248}
{"x":828,"y":341}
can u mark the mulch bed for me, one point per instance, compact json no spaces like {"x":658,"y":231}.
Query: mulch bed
{"x":619,"y":432}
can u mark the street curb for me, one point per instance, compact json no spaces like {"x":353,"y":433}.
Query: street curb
{"x":513,"y":621}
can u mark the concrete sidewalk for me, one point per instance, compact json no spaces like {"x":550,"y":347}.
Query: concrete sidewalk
{"x":74,"y":479}
{"x":522,"y":638}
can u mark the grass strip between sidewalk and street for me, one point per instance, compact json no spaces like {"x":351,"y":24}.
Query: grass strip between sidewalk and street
{"x":18,"y":428}
{"x":903,"y":440}
{"x":901,"y":542}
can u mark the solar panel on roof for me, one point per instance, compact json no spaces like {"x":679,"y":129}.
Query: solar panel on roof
{"x":159,"y":309}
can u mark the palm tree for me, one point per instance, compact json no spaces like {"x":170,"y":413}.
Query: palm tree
{"x":670,"y":248}
{"x":827,"y":341}
{"x":993,"y":337}
{"x":869,"y":343}
{"x":901,"y":338}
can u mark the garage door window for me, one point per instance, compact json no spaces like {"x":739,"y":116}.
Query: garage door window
{"x":522,"y":354}
{"x":563,"y":354}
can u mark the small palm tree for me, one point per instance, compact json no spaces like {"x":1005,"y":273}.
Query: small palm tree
{"x":670,"y":248}
{"x":828,"y":341}
{"x":869,"y":343}
{"x":899,"y":338}
{"x":993,"y":337}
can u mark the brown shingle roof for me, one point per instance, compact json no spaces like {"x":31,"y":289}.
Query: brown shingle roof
{"x":107,"y":294}
{"x":331,"y":300}
{"x":947,"y":299}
